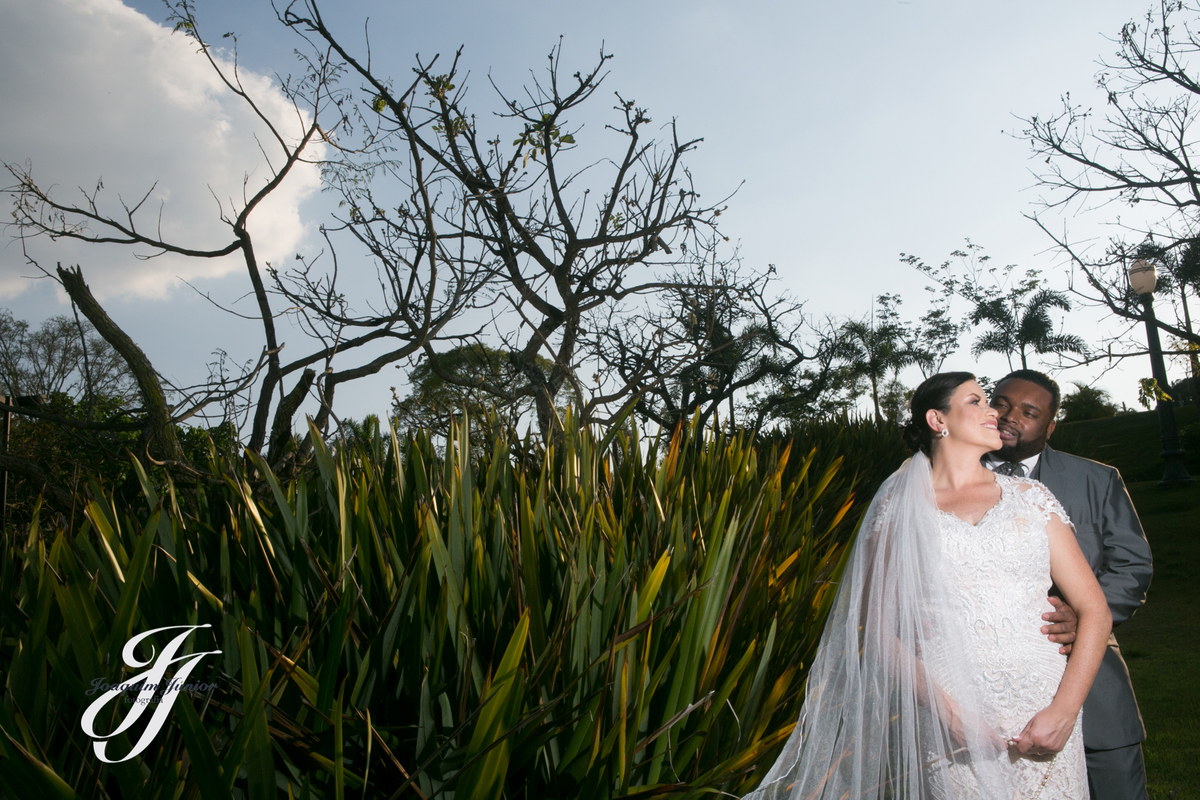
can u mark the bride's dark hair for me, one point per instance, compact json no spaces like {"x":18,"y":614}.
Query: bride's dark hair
{"x":935,"y":392}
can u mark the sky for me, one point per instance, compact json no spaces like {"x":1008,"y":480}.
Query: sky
{"x":848,"y":132}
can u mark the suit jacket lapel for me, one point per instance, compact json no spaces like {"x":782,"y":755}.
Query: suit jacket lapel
{"x":1049,"y":470}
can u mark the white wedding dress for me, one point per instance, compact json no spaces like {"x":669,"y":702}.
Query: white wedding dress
{"x":931,"y":654}
{"x":999,"y":572}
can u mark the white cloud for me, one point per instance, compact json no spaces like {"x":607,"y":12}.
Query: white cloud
{"x":95,"y":90}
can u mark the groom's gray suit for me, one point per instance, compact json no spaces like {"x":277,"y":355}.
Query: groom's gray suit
{"x":1112,"y":540}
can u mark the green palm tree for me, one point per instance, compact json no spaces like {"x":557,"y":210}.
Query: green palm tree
{"x":1020,"y":327}
{"x":873,"y":351}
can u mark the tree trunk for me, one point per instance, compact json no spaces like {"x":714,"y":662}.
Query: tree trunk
{"x":274,"y":374}
{"x":1193,"y":357}
{"x":159,"y":431}
{"x":281,"y":428}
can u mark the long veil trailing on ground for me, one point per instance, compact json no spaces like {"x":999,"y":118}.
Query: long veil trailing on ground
{"x":889,"y":704}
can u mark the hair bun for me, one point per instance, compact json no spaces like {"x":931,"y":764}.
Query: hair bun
{"x":914,"y":437}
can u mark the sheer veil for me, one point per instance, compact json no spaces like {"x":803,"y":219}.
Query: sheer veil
{"x":890,"y":709}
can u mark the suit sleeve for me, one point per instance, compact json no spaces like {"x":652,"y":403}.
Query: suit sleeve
{"x":1125,"y":575}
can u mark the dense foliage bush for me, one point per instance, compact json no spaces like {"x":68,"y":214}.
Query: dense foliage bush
{"x":67,"y":458}
{"x":600,"y":618}
{"x":1087,"y":402}
{"x":1189,"y":437}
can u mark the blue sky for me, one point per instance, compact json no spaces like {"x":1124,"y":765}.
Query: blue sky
{"x":855,"y":131}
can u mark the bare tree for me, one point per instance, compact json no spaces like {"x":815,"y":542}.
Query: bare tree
{"x":571,"y":239}
{"x":421,"y":290}
{"x":510,"y":231}
{"x":818,"y":388}
{"x":931,"y":339}
{"x":63,"y":355}
{"x":1184,"y":272}
{"x":1138,"y":151}
{"x":721,"y":337}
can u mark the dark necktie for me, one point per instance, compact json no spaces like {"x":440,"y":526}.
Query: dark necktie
{"x":1013,"y":468}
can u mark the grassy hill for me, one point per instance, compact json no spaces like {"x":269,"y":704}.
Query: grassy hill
{"x":1161,"y":643}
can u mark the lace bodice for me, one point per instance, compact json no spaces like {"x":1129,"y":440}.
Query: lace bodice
{"x":999,"y":569}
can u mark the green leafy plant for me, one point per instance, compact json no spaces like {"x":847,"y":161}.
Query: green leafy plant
{"x":604,"y":617}
{"x":1150,"y":393}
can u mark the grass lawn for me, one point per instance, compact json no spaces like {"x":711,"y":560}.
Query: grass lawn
{"x":1161,"y":643}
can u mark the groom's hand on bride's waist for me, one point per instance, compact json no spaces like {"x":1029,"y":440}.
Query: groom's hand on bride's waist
{"x":1061,"y":622}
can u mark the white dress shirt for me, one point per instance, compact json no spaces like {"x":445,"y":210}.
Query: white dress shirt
{"x":991,"y":461}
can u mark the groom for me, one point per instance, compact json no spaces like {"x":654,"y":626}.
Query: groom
{"x":1112,"y":540}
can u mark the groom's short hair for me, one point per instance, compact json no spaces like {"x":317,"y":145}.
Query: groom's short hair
{"x":1041,"y":379}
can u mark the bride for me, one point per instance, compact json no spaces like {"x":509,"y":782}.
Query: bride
{"x":932,"y":679}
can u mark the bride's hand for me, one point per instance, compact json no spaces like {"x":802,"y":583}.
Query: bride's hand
{"x":1046,"y":733}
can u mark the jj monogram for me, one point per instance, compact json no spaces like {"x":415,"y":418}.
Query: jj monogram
{"x":155,"y":691}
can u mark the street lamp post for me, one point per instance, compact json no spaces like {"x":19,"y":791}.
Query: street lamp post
{"x":1142,"y":278}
